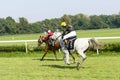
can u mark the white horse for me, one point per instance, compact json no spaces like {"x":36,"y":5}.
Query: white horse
{"x":80,"y":46}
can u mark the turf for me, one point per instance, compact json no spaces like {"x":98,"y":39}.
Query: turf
{"x":21,"y":66}
{"x":31,"y":68}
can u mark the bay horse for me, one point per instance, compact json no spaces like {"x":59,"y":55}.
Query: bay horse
{"x":48,"y":46}
{"x":56,"y":36}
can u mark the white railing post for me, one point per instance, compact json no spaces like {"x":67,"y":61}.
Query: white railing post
{"x":26,"y":47}
{"x":97,"y":52}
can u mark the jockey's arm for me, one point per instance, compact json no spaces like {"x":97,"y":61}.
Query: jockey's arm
{"x":48,"y":35}
{"x":65,"y":31}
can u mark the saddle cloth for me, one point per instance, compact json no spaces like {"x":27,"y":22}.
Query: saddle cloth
{"x":70,"y":44}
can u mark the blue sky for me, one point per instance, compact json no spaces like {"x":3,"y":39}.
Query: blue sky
{"x":37,"y":10}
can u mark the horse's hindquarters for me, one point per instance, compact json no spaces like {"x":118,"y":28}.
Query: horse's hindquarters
{"x":81,"y":44}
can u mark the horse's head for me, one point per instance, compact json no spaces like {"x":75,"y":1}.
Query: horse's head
{"x":40,"y":40}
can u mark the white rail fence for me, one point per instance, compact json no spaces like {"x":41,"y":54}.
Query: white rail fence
{"x":23,"y":41}
{"x":26,"y":41}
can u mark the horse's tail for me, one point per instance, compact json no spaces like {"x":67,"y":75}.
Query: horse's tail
{"x":95,"y":43}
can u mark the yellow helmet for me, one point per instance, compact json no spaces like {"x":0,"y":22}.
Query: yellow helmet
{"x":63,"y":24}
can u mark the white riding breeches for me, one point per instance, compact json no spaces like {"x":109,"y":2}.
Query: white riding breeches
{"x":72,"y":33}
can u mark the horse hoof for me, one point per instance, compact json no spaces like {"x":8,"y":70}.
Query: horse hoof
{"x":78,"y":66}
{"x":41,"y":59}
{"x":68,"y":63}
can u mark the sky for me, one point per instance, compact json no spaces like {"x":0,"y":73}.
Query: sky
{"x":38,"y":10}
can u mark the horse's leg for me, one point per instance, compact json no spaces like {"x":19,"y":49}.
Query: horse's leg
{"x":82,"y":60}
{"x":72,"y":57}
{"x":46,"y":51}
{"x":54,"y":51}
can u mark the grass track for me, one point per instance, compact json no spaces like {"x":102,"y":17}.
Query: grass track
{"x":30,"y":68}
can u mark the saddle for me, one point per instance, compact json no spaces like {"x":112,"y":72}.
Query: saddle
{"x":51,"y":42}
{"x":70,"y":43}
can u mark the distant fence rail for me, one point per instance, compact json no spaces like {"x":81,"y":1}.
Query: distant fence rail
{"x":116,"y":37}
{"x":18,"y":41}
{"x":25,"y":41}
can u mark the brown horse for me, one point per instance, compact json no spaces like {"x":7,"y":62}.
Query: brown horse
{"x":48,"y":46}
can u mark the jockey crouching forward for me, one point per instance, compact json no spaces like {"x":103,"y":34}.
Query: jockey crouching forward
{"x":48,"y":36}
{"x":68,"y":33}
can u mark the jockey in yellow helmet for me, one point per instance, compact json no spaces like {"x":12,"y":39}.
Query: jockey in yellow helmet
{"x":69,"y":32}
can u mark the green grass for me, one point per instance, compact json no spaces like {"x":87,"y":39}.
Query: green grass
{"x":22,"y":66}
{"x":20,"y":37}
{"x":30,"y":68}
{"x":99,"y":33}
{"x":80,"y":33}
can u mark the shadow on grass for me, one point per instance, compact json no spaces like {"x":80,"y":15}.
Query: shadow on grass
{"x":60,"y":66}
{"x":48,"y":59}
{"x":65,"y":67}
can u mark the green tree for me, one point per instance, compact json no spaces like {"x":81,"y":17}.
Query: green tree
{"x":97,"y":23}
{"x":117,"y":21}
{"x":23,"y":25}
{"x":2,"y":26}
{"x":80,"y":21}
{"x":11,"y":25}
{"x":66,"y":19}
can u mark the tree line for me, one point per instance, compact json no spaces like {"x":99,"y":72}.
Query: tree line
{"x":80,"y":22}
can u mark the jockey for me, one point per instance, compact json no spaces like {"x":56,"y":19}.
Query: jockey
{"x":50,"y":38}
{"x":68,"y":33}
{"x":49,"y":34}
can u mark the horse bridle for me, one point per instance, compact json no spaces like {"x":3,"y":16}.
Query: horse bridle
{"x":40,"y":40}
